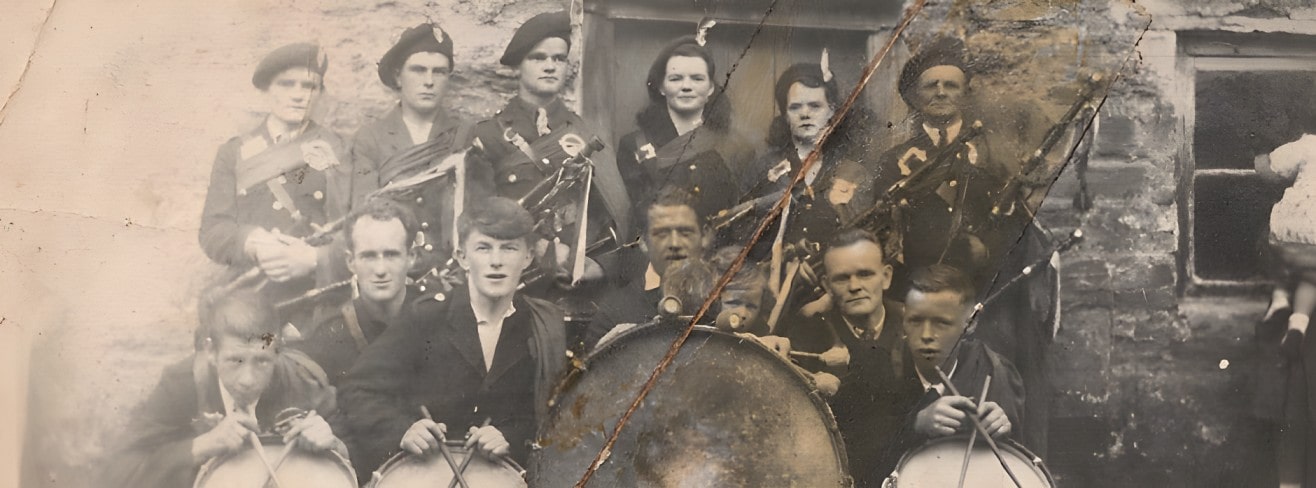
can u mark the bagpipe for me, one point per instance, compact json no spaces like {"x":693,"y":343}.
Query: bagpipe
{"x":410,"y":160}
{"x":1032,"y":173}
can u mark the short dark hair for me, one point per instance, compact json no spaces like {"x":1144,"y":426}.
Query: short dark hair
{"x":243,"y":312}
{"x":942,"y":277}
{"x":851,"y":236}
{"x":383,"y":210}
{"x":496,"y":217}
{"x":669,"y":196}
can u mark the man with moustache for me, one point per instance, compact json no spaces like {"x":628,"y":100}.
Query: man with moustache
{"x":674,"y":233}
{"x":274,"y":185}
{"x":379,"y":253}
{"x":527,"y":141}
{"x":487,"y":352}
{"x":416,"y":68}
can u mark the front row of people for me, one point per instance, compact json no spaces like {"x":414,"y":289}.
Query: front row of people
{"x":484,"y":359}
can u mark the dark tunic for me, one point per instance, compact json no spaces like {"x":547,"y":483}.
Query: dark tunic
{"x":626,"y":304}
{"x":372,"y":168}
{"x":158,"y":452}
{"x":706,"y":161}
{"x":335,"y":346}
{"x":816,"y":211}
{"x":434,"y":359}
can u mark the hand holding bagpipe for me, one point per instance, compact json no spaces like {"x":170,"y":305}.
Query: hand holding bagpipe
{"x":1032,"y":173}
{"x":941,"y":167}
{"x":543,"y":202}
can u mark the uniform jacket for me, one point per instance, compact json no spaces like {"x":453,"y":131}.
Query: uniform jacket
{"x":158,"y":450}
{"x":434,"y":359}
{"x":335,"y":346}
{"x":372,"y":147}
{"x":706,"y":161}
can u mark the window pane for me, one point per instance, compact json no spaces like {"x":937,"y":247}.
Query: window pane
{"x":1231,"y":215}
{"x":1244,"y":113}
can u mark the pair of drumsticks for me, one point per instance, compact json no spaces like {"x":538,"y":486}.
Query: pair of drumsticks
{"x":978,"y":429}
{"x":457,"y":477}
{"x":272,"y":468}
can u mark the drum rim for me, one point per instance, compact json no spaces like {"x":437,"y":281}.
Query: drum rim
{"x":570,"y":381}
{"x":209,"y":466}
{"x":964,"y":438}
{"x":400,"y":456}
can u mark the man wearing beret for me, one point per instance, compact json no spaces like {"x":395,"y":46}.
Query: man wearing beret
{"x":529,"y":139}
{"x":275,"y":184}
{"x":416,"y":135}
{"x":951,"y":222}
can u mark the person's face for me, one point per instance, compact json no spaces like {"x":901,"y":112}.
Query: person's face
{"x":544,"y":69}
{"x":687,"y":84}
{"x":941,"y":92}
{"x":745,"y":302}
{"x":422,"y":80}
{"x":857,"y":278}
{"x":674,"y":235}
{"x":292,"y":93}
{"x":494,"y":266}
{"x":380,"y":258}
{"x":245,"y":366}
{"x":934,"y":322}
{"x":807,"y":111}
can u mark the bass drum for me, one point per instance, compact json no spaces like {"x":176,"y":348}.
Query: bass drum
{"x":301,"y":469}
{"x":407,"y":471}
{"x":727,"y":412}
{"x":937,"y":463}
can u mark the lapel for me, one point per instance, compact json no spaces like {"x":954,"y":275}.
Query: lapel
{"x":459,"y":330}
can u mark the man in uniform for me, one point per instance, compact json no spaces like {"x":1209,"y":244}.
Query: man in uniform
{"x":527,"y":141}
{"x":857,"y":339}
{"x":417,"y":135}
{"x":237,"y":384}
{"x":276,"y":184}
{"x":482,"y":360}
{"x":379,"y":245}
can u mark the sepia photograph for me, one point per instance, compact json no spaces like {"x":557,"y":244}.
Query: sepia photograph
{"x":658,"y":243}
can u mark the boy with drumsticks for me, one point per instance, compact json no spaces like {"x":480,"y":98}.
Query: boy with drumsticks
{"x":239,"y":383}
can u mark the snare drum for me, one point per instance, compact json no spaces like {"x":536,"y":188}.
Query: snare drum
{"x":406,"y":471}
{"x":937,"y":463}
{"x":727,"y":412}
{"x":301,"y":469}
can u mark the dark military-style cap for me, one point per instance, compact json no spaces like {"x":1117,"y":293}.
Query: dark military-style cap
{"x":424,"y":38}
{"x":946,"y":51}
{"x":300,"y":54}
{"x":538,"y":28}
{"x":811,"y":74}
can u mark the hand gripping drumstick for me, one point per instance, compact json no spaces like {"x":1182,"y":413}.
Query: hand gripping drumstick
{"x":466,"y":462}
{"x":443,"y":449}
{"x":981,"y":430}
{"x":973,"y":436}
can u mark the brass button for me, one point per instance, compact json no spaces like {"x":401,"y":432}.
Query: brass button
{"x":511,"y":178}
{"x":429,"y":247}
{"x":420,"y":200}
{"x":277,"y":205}
{"x":319,"y":195}
{"x":424,"y":225}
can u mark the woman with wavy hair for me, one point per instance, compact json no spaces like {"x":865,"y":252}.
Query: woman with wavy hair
{"x":684,"y":136}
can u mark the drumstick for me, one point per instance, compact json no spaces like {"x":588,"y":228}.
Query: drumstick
{"x":287,"y":449}
{"x":466,"y":462}
{"x":981,"y":430}
{"x":260,"y":453}
{"x":804,"y":355}
{"x":973,"y":436}
{"x":443,"y":449}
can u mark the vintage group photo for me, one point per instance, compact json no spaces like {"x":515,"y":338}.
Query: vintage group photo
{"x":545,"y":243}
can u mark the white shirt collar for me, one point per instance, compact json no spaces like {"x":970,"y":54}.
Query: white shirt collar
{"x":952,"y":132}
{"x":940,"y":387}
{"x":652,"y":280}
{"x":859,"y":332}
{"x":489,"y":330}
{"x":419,"y":133}
{"x":228,"y":401}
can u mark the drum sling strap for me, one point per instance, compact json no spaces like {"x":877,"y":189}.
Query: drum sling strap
{"x":353,"y":326}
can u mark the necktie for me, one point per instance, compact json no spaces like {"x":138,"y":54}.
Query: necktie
{"x":941,"y":137}
{"x":541,"y":121}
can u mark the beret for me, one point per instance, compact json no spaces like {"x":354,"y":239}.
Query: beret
{"x":538,"y":28}
{"x":799,"y":72}
{"x":301,"y":54}
{"x":424,"y":38}
{"x":939,"y":52}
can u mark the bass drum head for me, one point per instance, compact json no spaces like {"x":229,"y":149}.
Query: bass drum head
{"x":300,"y":470}
{"x":407,"y":471}
{"x":937,"y":463}
{"x":727,"y":412}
